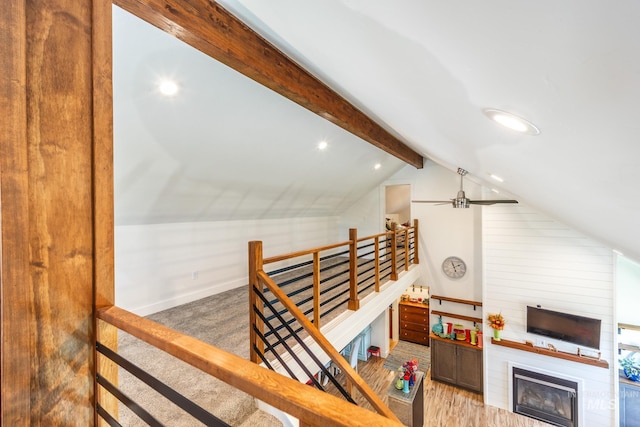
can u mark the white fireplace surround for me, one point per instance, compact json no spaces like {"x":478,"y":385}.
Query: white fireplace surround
{"x":579,"y":381}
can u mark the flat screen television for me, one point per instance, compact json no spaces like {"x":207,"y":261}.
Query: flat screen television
{"x":579,"y":330}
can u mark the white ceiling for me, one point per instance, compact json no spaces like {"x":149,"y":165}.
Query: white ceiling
{"x":425,"y":69}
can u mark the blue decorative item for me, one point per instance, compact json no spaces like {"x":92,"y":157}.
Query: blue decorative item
{"x":632,"y":374}
{"x":438,"y":328}
{"x":630,"y":367}
{"x":406,"y":386}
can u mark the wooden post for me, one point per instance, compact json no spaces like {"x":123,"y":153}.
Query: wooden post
{"x":376,"y":249}
{"x":416,"y":239}
{"x":316,"y":289}
{"x":394,"y":254}
{"x":354,"y":302}
{"x":56,"y":221}
{"x":407,"y":258}
{"x":255,"y":265}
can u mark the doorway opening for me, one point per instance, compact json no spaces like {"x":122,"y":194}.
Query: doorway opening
{"x":397,"y":210}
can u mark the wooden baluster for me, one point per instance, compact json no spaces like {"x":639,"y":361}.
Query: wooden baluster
{"x":255,"y":265}
{"x":354,"y":302}
{"x":394,"y":271}
{"x":415,"y":242}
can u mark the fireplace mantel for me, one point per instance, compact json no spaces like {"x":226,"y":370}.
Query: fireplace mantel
{"x":547,"y":352}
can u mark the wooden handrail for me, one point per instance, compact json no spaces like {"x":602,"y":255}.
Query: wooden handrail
{"x":311,"y":406}
{"x":326,"y":346}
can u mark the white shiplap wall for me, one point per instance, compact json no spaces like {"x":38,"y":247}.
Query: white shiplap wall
{"x":159,"y":266}
{"x":530,"y":259}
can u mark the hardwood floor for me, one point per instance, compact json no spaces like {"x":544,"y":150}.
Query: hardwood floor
{"x":445,"y":406}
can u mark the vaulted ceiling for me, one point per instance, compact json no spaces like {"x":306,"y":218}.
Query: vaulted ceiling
{"x":424,"y":70}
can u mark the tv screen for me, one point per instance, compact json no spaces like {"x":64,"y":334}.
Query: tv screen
{"x":578,"y":330}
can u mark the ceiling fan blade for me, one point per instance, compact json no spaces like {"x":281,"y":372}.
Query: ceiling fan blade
{"x":490,"y":202}
{"x":437,"y":202}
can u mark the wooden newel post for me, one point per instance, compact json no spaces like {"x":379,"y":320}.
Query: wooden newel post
{"x":416,"y":239}
{"x":354,"y":302}
{"x":255,"y":265}
{"x":394,"y":254}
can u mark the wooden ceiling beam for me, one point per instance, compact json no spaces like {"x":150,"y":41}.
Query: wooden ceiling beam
{"x":208,"y":27}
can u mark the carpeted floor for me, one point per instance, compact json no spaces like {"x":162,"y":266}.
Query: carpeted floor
{"x":405,"y":351}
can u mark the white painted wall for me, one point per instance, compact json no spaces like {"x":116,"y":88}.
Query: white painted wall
{"x":158,"y":266}
{"x":530,"y":259}
{"x":628,"y":290}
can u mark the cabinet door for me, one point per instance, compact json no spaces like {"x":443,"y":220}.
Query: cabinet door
{"x":443,"y":361}
{"x":469,"y":363}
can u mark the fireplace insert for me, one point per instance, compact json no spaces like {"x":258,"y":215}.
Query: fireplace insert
{"x":544,"y":397}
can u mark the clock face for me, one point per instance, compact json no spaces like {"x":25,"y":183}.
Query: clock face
{"x":454,"y":267}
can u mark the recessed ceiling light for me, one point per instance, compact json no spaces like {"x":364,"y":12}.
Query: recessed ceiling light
{"x":377,"y":166}
{"x":511,"y":121}
{"x":168,"y":87}
{"x":322,"y":145}
{"x":496,"y":178}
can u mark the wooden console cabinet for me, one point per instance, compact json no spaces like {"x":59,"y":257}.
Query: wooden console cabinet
{"x":414,"y":322}
{"x":457,"y":363}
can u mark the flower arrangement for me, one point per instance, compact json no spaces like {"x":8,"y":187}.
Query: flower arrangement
{"x":496,"y":321}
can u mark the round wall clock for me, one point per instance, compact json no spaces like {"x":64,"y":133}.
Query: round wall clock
{"x":454,"y":267}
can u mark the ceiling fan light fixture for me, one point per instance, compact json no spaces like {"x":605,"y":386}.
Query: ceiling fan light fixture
{"x":511,"y":121}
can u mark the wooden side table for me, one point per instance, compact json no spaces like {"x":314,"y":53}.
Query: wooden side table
{"x":408,"y":407}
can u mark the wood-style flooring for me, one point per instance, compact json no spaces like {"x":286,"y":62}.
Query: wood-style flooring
{"x":444,"y":405}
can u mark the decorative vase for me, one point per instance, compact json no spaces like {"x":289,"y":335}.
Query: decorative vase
{"x":496,"y":334}
{"x":406,"y":386}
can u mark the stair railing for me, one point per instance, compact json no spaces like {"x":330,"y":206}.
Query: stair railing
{"x":336,"y":358}
{"x":311,"y":406}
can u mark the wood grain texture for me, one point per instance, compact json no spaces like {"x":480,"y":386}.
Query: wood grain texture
{"x":310,"y":405}
{"x":14,"y":184}
{"x":60,"y":136}
{"x":47,"y":213}
{"x":103,"y":196}
{"x":211,"y":29}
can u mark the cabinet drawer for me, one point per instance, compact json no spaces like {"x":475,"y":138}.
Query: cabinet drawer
{"x":404,"y":309}
{"x":414,"y":318}
{"x":413,"y":336}
{"x":417,"y":327}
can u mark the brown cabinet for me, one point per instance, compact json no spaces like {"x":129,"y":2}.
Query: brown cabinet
{"x":414,"y":322}
{"x":456,"y":363}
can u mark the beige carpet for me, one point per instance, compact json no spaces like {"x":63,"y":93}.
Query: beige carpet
{"x":220,"y":320}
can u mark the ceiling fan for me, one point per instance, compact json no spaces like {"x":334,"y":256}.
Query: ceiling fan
{"x":461,"y":200}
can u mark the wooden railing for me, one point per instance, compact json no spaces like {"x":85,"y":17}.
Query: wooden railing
{"x":312,"y":407}
{"x":351,"y":269}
